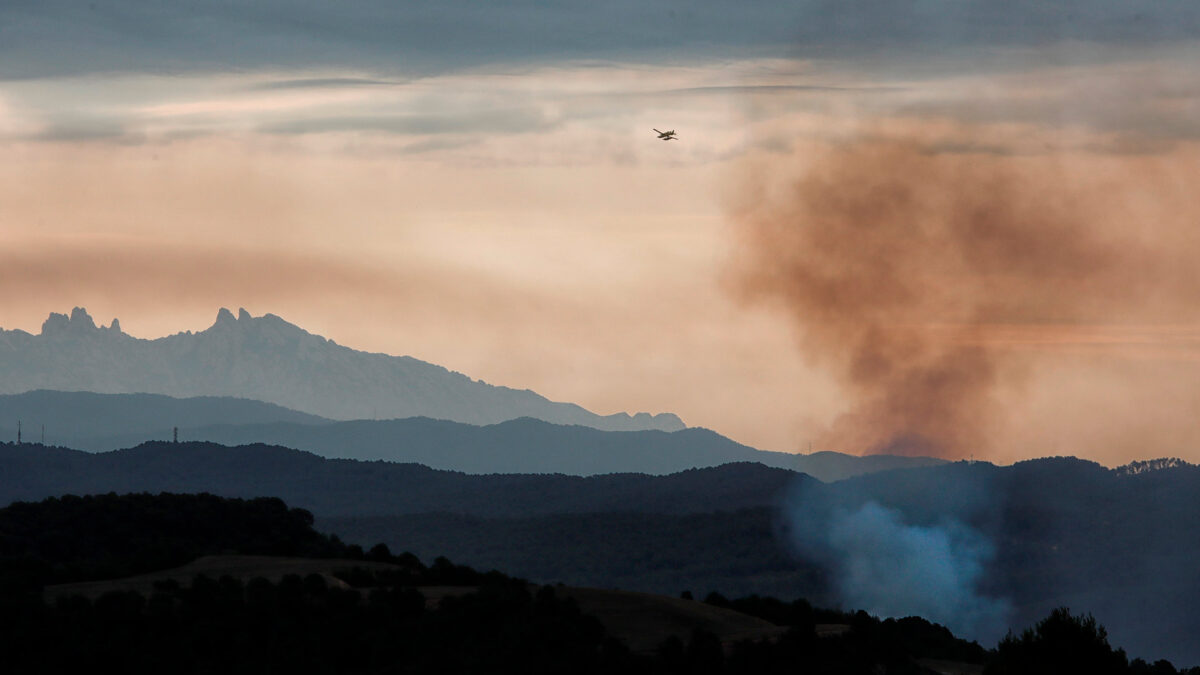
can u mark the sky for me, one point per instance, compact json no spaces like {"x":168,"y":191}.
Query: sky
{"x":951,"y":227}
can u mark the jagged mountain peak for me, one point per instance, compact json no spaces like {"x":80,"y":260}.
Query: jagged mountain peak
{"x":79,"y":322}
{"x":245,"y":319}
{"x":80,"y":315}
{"x":225,"y":316}
{"x":268,"y":330}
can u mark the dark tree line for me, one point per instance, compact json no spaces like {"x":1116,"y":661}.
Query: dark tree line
{"x":1064,"y":643}
{"x":67,"y":539}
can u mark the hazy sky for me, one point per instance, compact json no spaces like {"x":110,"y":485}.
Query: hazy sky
{"x":946,"y":226}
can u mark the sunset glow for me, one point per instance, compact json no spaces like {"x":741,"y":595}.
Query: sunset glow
{"x":514,"y":218}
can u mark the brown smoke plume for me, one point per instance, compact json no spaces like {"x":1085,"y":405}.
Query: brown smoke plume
{"x":900,"y":263}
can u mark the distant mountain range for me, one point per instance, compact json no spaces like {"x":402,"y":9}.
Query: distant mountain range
{"x":104,"y":422}
{"x":527,"y":445}
{"x":268,"y":359}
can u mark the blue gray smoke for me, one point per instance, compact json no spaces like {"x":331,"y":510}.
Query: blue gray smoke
{"x":922,"y":561}
{"x":893,"y":569}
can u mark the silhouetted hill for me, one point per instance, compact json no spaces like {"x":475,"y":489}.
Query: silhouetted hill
{"x":524,"y":445}
{"x":532,"y":446}
{"x":76,"y":538}
{"x":350,"y":487}
{"x":268,"y":359}
{"x":834,"y":466}
{"x":78,"y":419}
{"x":103,"y":422}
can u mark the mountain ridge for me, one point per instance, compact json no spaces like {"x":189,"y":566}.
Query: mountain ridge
{"x":345,"y":487}
{"x":268,"y":359}
{"x":104,"y":422}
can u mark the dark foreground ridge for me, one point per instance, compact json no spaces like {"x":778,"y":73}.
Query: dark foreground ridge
{"x":377,"y":612}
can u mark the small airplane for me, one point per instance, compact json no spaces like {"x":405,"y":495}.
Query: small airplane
{"x":667,"y":135}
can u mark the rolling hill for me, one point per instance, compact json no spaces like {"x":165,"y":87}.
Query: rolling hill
{"x":83,"y":420}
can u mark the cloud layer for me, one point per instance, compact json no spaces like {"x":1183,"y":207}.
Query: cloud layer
{"x":43,"y":38}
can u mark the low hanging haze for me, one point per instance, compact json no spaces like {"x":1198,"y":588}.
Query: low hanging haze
{"x":953,"y":227}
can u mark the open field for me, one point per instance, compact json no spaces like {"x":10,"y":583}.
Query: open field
{"x":640,"y":620}
{"x":242,"y":567}
{"x":643,"y":620}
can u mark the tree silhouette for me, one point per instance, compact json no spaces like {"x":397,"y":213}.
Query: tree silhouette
{"x":1060,"y":643}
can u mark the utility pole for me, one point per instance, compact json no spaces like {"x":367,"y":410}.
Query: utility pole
{"x":43,"y":434}
{"x":175,"y":439}
{"x":18,"y":432}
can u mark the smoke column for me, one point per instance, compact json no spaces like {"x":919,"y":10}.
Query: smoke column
{"x":893,"y":569}
{"x":896,"y":552}
{"x":902,"y":262}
